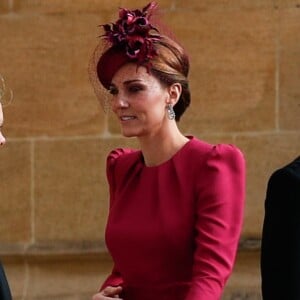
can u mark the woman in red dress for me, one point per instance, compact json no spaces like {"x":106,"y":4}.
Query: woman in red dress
{"x":176,"y":204}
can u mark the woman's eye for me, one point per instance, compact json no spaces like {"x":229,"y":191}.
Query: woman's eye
{"x":113,"y":91}
{"x":135,"y":89}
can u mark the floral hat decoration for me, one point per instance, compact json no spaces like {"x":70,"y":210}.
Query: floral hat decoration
{"x":131,"y":38}
{"x":132,"y":32}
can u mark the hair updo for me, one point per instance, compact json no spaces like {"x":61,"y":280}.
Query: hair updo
{"x":169,"y":66}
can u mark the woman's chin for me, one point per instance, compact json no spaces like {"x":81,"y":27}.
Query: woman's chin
{"x":127,"y":133}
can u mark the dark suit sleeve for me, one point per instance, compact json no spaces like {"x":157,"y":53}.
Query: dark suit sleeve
{"x":4,"y":287}
{"x":280,"y":249}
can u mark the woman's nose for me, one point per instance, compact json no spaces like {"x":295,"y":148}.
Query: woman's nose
{"x":120,"y":102}
{"x":2,"y":139}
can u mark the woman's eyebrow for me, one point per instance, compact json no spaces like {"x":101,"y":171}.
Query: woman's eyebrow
{"x":131,"y":81}
{"x":127,"y":82}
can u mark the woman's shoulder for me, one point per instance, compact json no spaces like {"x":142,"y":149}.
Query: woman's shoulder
{"x":221,"y":151}
{"x":119,"y":152}
{"x":122,"y":156}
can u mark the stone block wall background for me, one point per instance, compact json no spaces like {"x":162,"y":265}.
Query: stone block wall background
{"x":245,"y":62}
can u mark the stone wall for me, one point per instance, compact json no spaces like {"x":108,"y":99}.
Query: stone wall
{"x":245,"y":62}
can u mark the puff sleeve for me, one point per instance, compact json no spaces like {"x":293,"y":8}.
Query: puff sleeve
{"x":219,"y":214}
{"x":115,"y":278}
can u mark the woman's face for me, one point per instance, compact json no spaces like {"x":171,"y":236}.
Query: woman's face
{"x":2,"y":138}
{"x":139,"y":101}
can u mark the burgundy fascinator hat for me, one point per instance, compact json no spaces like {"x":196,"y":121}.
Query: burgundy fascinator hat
{"x":130,"y":39}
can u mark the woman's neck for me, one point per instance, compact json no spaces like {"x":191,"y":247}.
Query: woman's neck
{"x":161,"y":147}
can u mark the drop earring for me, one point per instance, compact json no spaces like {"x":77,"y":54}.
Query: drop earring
{"x":170,"y":112}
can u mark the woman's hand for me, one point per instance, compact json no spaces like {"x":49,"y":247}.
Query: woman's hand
{"x":110,"y":292}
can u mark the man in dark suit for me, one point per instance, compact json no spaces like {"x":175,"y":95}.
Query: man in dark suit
{"x":4,"y":288}
{"x":280,"y":248}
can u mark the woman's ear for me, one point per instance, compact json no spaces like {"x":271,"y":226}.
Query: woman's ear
{"x":174,"y":93}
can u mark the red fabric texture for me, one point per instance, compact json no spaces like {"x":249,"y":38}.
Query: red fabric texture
{"x":173,"y":229}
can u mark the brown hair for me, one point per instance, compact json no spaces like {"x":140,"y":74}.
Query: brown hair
{"x":170,"y":66}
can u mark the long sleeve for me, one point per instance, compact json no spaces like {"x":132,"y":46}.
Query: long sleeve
{"x":219,"y":215}
{"x":115,"y":278}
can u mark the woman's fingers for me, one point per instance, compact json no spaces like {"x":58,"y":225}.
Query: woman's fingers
{"x":112,"y":291}
{"x":108,"y":293}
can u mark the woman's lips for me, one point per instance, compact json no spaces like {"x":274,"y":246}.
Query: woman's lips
{"x":127,"y":118}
